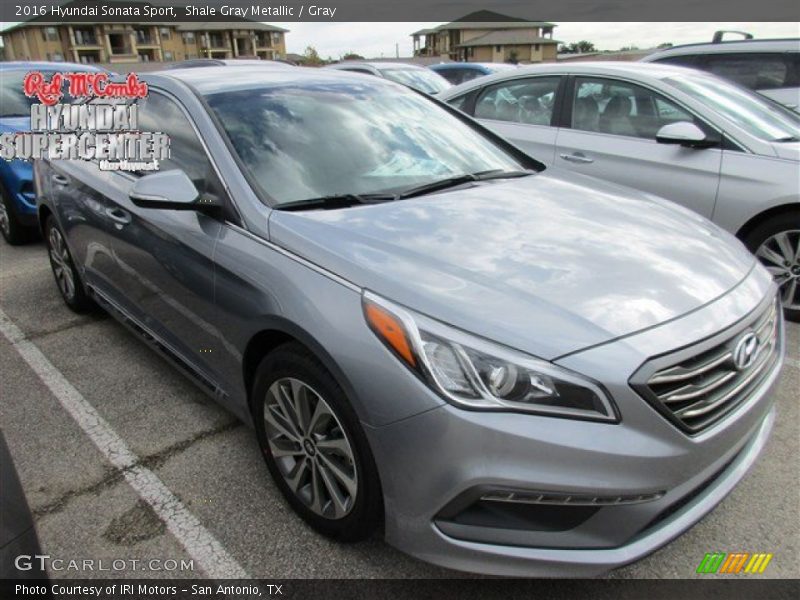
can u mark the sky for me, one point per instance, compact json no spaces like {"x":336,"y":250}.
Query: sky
{"x":374,"y":40}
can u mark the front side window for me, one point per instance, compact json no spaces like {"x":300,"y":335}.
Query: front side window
{"x":756,"y":71}
{"x":621,"y":108}
{"x":158,"y":113}
{"x":758,"y":116}
{"x":309,"y":141}
{"x":528,"y":101}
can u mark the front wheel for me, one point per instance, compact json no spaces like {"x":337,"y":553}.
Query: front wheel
{"x":776,"y":243}
{"x":314,"y":446}
{"x":64,"y":271}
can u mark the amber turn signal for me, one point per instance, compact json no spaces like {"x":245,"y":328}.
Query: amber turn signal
{"x":389,"y":329}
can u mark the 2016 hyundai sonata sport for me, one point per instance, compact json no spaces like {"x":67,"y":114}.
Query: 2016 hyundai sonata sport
{"x":511,"y":370}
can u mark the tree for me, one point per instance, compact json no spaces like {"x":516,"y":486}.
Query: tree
{"x":311,"y":56}
{"x":665,"y":45}
{"x":352,"y":56}
{"x":581,"y":47}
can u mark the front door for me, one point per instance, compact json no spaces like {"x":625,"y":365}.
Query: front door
{"x":612,"y":135}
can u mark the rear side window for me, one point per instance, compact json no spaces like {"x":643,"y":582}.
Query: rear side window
{"x":756,"y":71}
{"x":527,"y":101}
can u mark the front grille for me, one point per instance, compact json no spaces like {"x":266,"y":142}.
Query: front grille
{"x":700,"y":389}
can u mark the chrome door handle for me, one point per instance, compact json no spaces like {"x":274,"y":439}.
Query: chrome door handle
{"x":59,"y":179}
{"x":578,"y":157}
{"x":118,"y":215}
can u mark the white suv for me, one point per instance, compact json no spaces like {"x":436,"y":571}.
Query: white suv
{"x":770,"y":67}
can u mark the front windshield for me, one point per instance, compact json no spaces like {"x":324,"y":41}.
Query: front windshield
{"x":758,"y":116}
{"x":299,"y":142}
{"x":423,"y":80}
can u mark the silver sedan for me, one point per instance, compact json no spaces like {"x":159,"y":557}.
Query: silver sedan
{"x":682,"y":134}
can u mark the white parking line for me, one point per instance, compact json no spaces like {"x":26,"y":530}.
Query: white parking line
{"x":207,"y":552}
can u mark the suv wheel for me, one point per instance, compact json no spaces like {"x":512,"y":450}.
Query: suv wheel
{"x":314,"y":446}
{"x":66,"y":275}
{"x":776,"y":243}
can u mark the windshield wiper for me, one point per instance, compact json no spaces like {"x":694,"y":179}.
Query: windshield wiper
{"x":449,"y":182}
{"x":335,"y":201}
{"x":788,"y":138}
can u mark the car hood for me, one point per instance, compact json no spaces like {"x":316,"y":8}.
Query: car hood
{"x":14,"y":124}
{"x":544,"y":264}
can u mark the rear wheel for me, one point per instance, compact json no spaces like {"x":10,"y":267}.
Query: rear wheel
{"x":66,"y":275}
{"x":776,"y":243}
{"x":314,"y":446}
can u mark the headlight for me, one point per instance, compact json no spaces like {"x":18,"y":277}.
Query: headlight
{"x":472,"y":372}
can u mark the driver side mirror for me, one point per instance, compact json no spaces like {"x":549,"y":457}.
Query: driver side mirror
{"x":170,"y":190}
{"x":683,"y":133}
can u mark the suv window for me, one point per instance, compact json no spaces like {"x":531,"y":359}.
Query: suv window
{"x":757,"y":71}
{"x":158,"y":113}
{"x":528,"y":101}
{"x":622,"y":108}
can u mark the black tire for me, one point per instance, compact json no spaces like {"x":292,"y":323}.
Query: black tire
{"x":74,"y":296}
{"x":788,"y":223}
{"x":294,"y":361}
{"x":14,"y":232}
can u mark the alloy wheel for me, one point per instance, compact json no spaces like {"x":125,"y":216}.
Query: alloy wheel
{"x":310,"y":448}
{"x":61,"y":263}
{"x":780,"y":254}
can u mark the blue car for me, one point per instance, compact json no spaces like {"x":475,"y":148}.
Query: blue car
{"x":459,"y":72}
{"x":18,"y":222}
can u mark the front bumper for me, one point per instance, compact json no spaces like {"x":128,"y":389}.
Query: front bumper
{"x":429,"y":463}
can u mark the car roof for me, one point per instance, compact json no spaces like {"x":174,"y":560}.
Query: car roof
{"x":214,"y":79}
{"x":196,"y":63}
{"x":376,"y":64}
{"x":755,"y":45}
{"x":46,"y":66}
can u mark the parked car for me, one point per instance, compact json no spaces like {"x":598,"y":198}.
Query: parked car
{"x":17,"y":203}
{"x":519,"y":371}
{"x":419,"y":78}
{"x":770,"y":67}
{"x":685,"y":135}
{"x":193,"y":63}
{"x":19,"y":543}
{"x":461,"y":72}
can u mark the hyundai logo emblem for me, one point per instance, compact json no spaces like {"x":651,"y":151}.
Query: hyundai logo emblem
{"x":744,"y":353}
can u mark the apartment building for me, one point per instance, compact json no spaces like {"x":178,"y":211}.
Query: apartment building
{"x":132,"y":42}
{"x":488,"y":37}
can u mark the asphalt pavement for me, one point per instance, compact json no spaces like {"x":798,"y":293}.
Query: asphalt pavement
{"x":123,"y":459}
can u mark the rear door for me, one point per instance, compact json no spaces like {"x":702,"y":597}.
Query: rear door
{"x":524,"y":112}
{"x":611,"y":135}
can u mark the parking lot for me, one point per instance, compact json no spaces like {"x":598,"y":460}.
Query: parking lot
{"x":195,"y":487}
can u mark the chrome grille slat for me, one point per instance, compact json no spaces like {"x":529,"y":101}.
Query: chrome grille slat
{"x":681,"y":373}
{"x":697,"y":390}
{"x":700,"y":389}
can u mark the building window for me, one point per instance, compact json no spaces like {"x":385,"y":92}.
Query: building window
{"x":85,"y":37}
{"x":119,"y":43}
{"x":165,"y":33}
{"x":276,"y":37}
{"x":536,"y":47}
{"x":50,"y":34}
{"x":168,"y":55}
{"x":498,"y":48}
{"x":143,"y":37}
{"x":188,"y":37}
